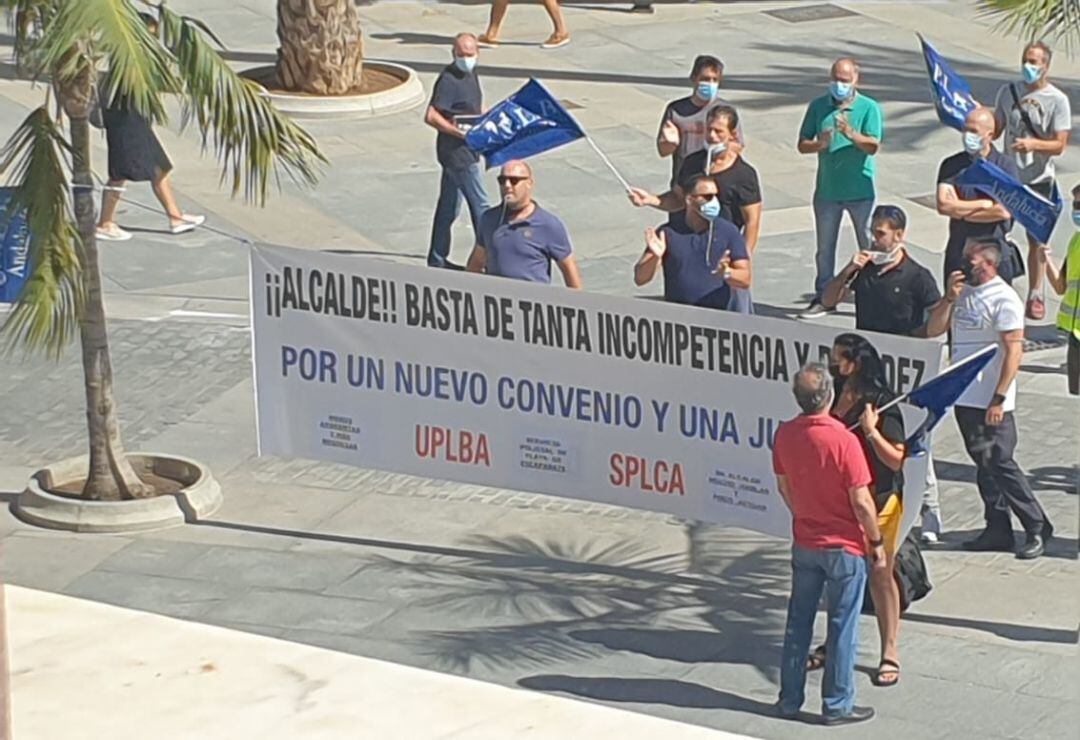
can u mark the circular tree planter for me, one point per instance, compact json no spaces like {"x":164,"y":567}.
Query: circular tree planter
{"x":191,"y":493}
{"x":386,"y":88}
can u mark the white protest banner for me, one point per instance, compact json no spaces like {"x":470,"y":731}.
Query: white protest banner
{"x":368,"y":362}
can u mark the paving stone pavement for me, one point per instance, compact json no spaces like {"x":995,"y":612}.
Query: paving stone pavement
{"x":640,"y":610}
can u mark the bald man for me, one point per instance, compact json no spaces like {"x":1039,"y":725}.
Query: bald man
{"x":971,"y":213}
{"x":519,"y":239}
{"x":844,"y":129}
{"x":455,"y":97}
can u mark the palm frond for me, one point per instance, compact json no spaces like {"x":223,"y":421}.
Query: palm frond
{"x":82,"y":32}
{"x":47,"y":312}
{"x":249,"y":136}
{"x":1036,"y":19}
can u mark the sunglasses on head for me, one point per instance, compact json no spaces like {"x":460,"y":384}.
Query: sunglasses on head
{"x":512,"y":179}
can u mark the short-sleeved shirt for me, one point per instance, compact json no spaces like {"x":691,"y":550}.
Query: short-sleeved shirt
{"x":738,"y":185}
{"x":456,"y":93}
{"x":845,"y":172}
{"x":523,"y":249}
{"x":981,"y":314}
{"x":689,"y":117}
{"x":886,"y":481}
{"x":894,"y":301}
{"x":822,"y":462}
{"x":959,"y":230}
{"x":1049,"y":112}
{"x":690,"y":263}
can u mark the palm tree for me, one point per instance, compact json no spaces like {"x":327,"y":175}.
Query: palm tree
{"x":321,"y":48}
{"x":1035,"y":19}
{"x":65,"y":42}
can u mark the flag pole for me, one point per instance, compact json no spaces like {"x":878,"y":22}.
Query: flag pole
{"x":614,"y":171}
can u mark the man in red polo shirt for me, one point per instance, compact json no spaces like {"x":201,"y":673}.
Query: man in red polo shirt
{"x":824,"y":479}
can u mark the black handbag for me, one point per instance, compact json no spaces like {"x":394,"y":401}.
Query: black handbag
{"x":911,"y":574}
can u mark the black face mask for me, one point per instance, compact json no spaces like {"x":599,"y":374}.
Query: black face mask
{"x":969,"y":273}
{"x":838,"y":378}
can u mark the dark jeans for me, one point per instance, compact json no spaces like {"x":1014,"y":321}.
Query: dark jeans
{"x":1072,"y":364}
{"x":1002,"y":484}
{"x":842,"y":576}
{"x":455,"y":182}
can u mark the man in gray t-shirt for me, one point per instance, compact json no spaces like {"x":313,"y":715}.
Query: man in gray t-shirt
{"x":1035,"y":117}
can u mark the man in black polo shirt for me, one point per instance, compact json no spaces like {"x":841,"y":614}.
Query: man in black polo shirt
{"x":972,"y":214}
{"x":455,"y":97}
{"x":893,"y":295}
{"x":703,"y":255}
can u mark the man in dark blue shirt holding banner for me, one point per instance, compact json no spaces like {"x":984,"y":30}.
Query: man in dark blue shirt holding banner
{"x":455,"y":101}
{"x":703,"y":256}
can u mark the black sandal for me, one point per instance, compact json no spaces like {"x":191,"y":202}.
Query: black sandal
{"x":816,"y":660}
{"x":886,"y":668}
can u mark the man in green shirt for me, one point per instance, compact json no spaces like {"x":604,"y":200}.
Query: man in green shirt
{"x":844,"y":128}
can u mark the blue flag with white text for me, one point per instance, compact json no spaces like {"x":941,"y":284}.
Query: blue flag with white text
{"x":952,"y":94}
{"x":1036,"y":213}
{"x":14,"y":248}
{"x":528,"y":122}
{"x":938,"y":394}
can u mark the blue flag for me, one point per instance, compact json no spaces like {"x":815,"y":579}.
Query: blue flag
{"x":1036,"y":213}
{"x":938,"y":394}
{"x":528,"y":122}
{"x":952,"y":95}
{"x":14,"y":248}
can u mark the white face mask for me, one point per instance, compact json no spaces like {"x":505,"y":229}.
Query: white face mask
{"x":885,"y":258}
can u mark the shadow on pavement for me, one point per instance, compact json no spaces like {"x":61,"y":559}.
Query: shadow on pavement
{"x":647,"y":691}
{"x":530,"y":602}
{"x":1018,"y":632}
{"x":1058,"y":547}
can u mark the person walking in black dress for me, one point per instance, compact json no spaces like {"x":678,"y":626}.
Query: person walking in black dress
{"x":136,"y":155}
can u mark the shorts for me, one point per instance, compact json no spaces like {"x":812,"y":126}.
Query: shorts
{"x":1045,"y":189}
{"x":888,"y":522}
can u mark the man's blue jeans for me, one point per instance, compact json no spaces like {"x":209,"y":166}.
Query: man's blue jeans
{"x":828,"y":214}
{"x":842,"y":576}
{"x":456,"y":181}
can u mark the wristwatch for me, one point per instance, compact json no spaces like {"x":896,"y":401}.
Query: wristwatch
{"x":878,"y":542}
{"x":997,"y":400}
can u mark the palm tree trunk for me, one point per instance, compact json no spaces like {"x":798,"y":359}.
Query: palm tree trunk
{"x":321,"y":48}
{"x":111,"y":476}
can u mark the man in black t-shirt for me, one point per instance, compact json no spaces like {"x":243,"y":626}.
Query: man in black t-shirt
{"x":456,"y":97}
{"x":972,"y":214}
{"x":893,"y":295}
{"x":738,"y":186}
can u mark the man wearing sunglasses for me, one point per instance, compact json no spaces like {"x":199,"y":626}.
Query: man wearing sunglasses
{"x":519,"y":239}
{"x":703,"y":255}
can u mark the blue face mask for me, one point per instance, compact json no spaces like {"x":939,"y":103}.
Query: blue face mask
{"x":841,"y":90}
{"x":1076,"y":218}
{"x":973,"y":143}
{"x":707,"y":90}
{"x":465,"y":64}
{"x":1031,"y":73}
{"x":710,"y":209}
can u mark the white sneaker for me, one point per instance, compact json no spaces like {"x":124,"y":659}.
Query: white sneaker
{"x":112,"y":234}
{"x":189,"y":223}
{"x":815,"y":310}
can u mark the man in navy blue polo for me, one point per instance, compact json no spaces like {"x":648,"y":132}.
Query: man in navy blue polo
{"x":703,"y":255}
{"x":519,"y":239}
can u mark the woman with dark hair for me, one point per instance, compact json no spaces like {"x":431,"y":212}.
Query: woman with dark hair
{"x":136,"y":155}
{"x":861,"y":389}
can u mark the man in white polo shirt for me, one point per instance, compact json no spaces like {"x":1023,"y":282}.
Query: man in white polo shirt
{"x":983,"y":310}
